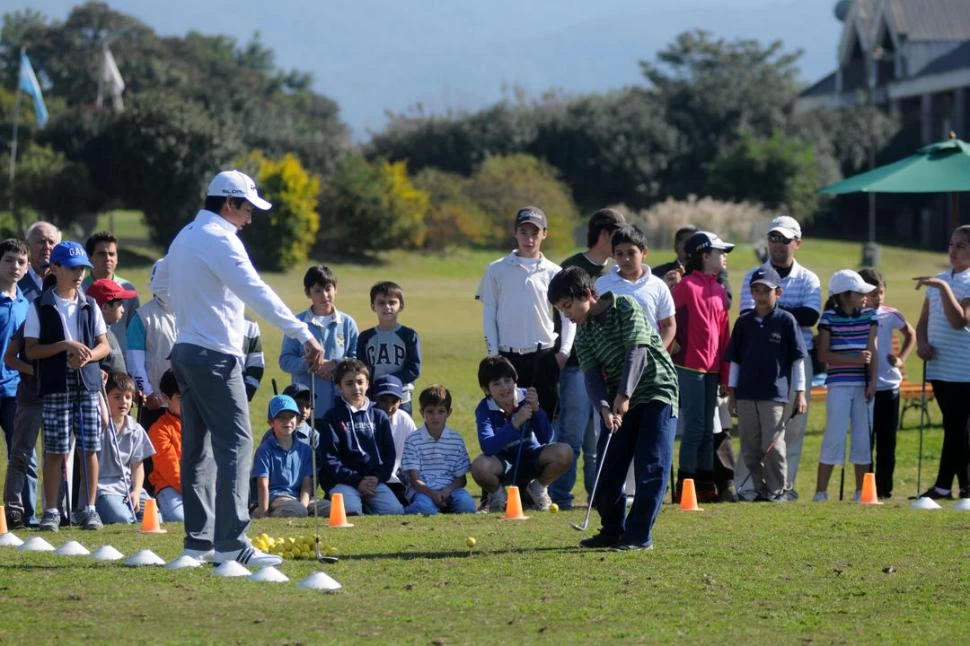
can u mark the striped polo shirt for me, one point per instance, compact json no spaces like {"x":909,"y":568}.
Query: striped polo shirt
{"x":603,"y":341}
{"x":848,"y":334}
{"x":951,"y":348}
{"x":800,"y":288}
{"x":437,"y":461}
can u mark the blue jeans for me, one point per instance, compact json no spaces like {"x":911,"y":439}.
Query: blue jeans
{"x":383,"y":504}
{"x":647,"y":438}
{"x":460,"y":502}
{"x":170,"y":505}
{"x":28,"y":492}
{"x":698,"y":399}
{"x":576,"y":419}
{"x":114,"y":509}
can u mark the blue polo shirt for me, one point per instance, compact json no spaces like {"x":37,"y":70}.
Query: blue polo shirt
{"x":765,"y":348}
{"x":284,"y":469}
{"x":13,"y":313}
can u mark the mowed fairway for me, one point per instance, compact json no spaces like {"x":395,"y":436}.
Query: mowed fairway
{"x":793,"y":573}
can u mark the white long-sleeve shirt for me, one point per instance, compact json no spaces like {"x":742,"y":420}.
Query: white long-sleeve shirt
{"x":212,"y":280}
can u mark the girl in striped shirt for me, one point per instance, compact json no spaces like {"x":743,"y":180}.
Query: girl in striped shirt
{"x":847,"y":344}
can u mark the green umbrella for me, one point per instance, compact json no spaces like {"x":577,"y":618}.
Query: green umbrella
{"x":943,"y":167}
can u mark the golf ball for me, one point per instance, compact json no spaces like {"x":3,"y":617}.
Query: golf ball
{"x":470,"y":541}
{"x":554,"y":508}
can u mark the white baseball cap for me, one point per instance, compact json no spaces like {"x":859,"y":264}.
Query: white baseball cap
{"x":232,"y":183}
{"x":786,"y":226}
{"x":846,"y":280}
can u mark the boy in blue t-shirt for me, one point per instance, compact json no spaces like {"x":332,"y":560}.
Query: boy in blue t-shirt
{"x":766,"y":354}
{"x":283,"y":467}
{"x":390,"y":348}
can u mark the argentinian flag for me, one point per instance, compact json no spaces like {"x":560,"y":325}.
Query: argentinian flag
{"x":29,"y":84}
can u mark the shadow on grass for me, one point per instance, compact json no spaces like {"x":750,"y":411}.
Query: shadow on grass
{"x":450,"y":554}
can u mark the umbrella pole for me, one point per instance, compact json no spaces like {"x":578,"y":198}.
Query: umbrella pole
{"x":954,"y":211}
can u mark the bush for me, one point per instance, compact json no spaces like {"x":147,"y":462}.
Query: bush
{"x":734,"y":222}
{"x":453,"y":218}
{"x":282,"y":238}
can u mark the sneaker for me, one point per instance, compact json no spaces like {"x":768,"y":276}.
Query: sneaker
{"x":540,"y":497}
{"x":248,"y":555}
{"x":50,"y":522}
{"x":857,"y":496}
{"x":600,"y":540}
{"x":935,"y":494}
{"x":204,"y":556}
{"x":964,"y":492}
{"x":15,"y":519}
{"x":791,"y":494}
{"x":497,"y":500}
{"x":631,"y":547}
{"x":778,"y":497}
{"x":820,"y":496}
{"x":89,"y":519}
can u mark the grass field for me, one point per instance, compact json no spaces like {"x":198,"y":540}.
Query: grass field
{"x":795,"y":573}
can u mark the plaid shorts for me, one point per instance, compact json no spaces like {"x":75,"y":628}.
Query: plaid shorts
{"x":76,"y":410}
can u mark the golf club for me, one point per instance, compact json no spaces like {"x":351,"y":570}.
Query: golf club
{"x":518,"y":453}
{"x":842,"y":478}
{"x":276,"y":390}
{"x":922,"y":415}
{"x":321,"y":558}
{"x":80,"y":437}
{"x":592,"y":495}
{"x":771,"y":445}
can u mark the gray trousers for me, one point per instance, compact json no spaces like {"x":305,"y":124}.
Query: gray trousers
{"x":217,"y":448}
{"x":758,"y":422}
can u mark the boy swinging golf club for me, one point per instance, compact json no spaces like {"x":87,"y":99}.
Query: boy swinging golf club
{"x":624,"y":361}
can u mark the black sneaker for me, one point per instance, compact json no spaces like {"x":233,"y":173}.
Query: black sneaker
{"x":600,"y":540}
{"x":965,"y":492}
{"x":933,"y":494}
{"x":15,"y":519}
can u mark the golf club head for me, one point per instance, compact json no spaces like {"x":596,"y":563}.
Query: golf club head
{"x":579,"y":528}
{"x":327,"y":559}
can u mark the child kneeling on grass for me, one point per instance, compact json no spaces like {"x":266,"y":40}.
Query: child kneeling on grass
{"x":435,"y":460}
{"x":847,"y":343}
{"x":122,"y":458}
{"x":515,"y":436}
{"x":624,"y":361}
{"x":283,"y":467}
{"x":356,"y":454}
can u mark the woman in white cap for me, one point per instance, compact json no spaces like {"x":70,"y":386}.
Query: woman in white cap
{"x":943,"y":342}
{"x":847,"y":343}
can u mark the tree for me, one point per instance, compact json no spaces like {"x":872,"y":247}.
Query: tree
{"x":282,"y":238}
{"x":453,"y":217}
{"x":778,"y":172}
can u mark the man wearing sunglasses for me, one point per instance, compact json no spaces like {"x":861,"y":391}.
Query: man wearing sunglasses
{"x":802,"y":297}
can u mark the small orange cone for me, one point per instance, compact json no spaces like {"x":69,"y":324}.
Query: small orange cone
{"x":513,"y":504}
{"x":3,"y":520}
{"x":150,"y":522}
{"x":338,"y":516}
{"x":688,"y":497}
{"x":868,"y":496}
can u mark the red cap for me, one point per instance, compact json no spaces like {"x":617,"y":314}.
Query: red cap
{"x":105,"y":290}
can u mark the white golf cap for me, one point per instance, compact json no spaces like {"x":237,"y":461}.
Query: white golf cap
{"x":232,"y":183}
{"x":846,"y":280}
{"x":786,"y":226}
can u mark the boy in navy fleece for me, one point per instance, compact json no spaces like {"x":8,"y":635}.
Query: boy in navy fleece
{"x":356,"y":452}
{"x":507,"y":418}
{"x":390,"y":348}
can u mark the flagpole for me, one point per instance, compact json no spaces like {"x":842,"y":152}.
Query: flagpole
{"x":13,"y":145}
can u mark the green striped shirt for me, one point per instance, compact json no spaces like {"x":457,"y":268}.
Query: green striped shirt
{"x":603,"y":341}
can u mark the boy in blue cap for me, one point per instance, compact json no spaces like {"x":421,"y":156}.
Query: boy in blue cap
{"x":283,"y":467}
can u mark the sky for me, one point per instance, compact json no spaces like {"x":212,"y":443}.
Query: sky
{"x":374,"y":56}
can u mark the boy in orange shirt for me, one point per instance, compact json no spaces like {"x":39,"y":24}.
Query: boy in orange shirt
{"x":166,"y":436}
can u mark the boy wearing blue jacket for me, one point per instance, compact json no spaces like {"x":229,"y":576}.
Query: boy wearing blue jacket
{"x":335,"y":331}
{"x":356,"y":452}
{"x":515,"y":437}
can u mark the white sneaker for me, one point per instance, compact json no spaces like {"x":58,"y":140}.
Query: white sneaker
{"x":539,"y":494}
{"x":248,"y":555}
{"x":820,"y":496}
{"x":204,"y":556}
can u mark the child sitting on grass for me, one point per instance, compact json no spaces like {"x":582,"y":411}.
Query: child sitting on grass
{"x":356,"y":454}
{"x":847,"y":343}
{"x":122,"y":458}
{"x":283,"y":467}
{"x":515,"y":436}
{"x":435,"y":460}
{"x":166,"y":437}
{"x":304,"y":429}
{"x":388,"y":392}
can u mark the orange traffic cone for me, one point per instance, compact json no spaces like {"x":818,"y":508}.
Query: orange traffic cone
{"x":868,"y":496}
{"x":3,"y":520}
{"x":513,"y":504}
{"x":338,"y":515}
{"x":688,"y":497}
{"x":150,"y":522}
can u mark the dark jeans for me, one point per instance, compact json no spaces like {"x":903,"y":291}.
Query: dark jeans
{"x":539,"y":370}
{"x":953,"y":398}
{"x":647,"y":438}
{"x":885,"y":421}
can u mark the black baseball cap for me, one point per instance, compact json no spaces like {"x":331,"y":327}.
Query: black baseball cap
{"x":705,"y":240}
{"x":531,"y":215}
